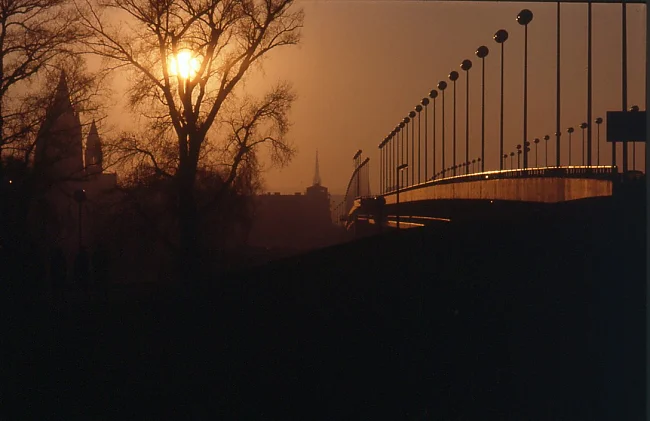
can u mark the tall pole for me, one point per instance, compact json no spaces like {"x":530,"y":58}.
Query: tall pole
{"x":524,"y":18}
{"x":482,"y":52}
{"x":453,"y":76}
{"x":558,"y":130}
{"x":583,"y":126}
{"x":501,"y":36}
{"x":466,"y":65}
{"x":418,"y":109}
{"x":546,"y":138}
{"x":398,"y":172}
{"x":381,"y":169}
{"x":425,"y":103}
{"x":407,"y":120}
{"x":624,"y":74}
{"x":634,"y":109}
{"x":442,"y":85}
{"x":598,"y":123}
{"x":570,"y":131}
{"x":412,"y":117}
{"x":433,"y":95}
{"x":589,"y":80}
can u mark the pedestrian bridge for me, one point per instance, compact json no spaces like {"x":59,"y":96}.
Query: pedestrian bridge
{"x":501,"y":193}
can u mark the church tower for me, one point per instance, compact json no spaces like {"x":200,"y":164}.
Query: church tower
{"x":317,"y":179}
{"x":59,"y":152}
{"x":94,"y":155}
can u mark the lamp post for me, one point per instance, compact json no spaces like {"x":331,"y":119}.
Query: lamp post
{"x":394,"y":148}
{"x":466,"y":65}
{"x":482,"y":52}
{"x":381,"y":167}
{"x":398,"y":172}
{"x":546,"y":138}
{"x":442,"y":85}
{"x":412,"y":117}
{"x":583,"y":126}
{"x":501,"y":36}
{"x":473,"y":164}
{"x":425,"y":103}
{"x":504,"y":160}
{"x":634,"y":109}
{"x":512,"y":154}
{"x":433,"y":95}
{"x":589,"y":81}
{"x":518,"y":157}
{"x":418,"y":109}
{"x":453,"y":76}
{"x":598,"y":122}
{"x":558,"y":130}
{"x":524,"y":18}
{"x":570,"y":131}
{"x":536,"y":141}
{"x":405,"y":143}
{"x":557,"y":150}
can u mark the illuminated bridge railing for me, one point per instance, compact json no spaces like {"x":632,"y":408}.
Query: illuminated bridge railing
{"x":593,"y":172}
{"x":358,"y":186}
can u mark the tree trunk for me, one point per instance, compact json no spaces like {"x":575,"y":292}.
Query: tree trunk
{"x":189,"y":236}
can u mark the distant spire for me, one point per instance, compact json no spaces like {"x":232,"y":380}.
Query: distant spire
{"x":317,"y":172}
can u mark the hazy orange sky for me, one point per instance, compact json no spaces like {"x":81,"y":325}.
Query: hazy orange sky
{"x":363,"y":65}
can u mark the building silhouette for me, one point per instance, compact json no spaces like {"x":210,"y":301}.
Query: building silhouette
{"x":298,"y":222}
{"x":58,"y":219}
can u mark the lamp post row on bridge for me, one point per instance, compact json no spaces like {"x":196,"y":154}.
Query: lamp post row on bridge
{"x":524,"y":18}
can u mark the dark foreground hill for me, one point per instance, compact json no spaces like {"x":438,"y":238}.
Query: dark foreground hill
{"x":537,"y":319}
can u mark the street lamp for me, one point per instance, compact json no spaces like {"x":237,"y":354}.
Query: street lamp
{"x":442,"y":85}
{"x":405,"y":147}
{"x":512,"y":154}
{"x":634,"y":109}
{"x":466,"y":65}
{"x":501,"y":36}
{"x":425,"y":103}
{"x":524,"y":18}
{"x":583,"y":126}
{"x":504,"y":160}
{"x":558,"y":130}
{"x":557,"y":149}
{"x":482,"y":52}
{"x":433,"y":95}
{"x":598,"y":122}
{"x":381,"y":167}
{"x":453,"y":76}
{"x":418,"y":109}
{"x":536,"y":141}
{"x":570,"y":131}
{"x":412,"y":117}
{"x":398,"y":172}
{"x":518,"y":156}
{"x":546,"y":138}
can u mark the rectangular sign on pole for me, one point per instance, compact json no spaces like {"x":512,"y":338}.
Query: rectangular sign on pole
{"x":626,"y":126}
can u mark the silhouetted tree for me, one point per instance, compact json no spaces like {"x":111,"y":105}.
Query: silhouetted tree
{"x":187,"y":58}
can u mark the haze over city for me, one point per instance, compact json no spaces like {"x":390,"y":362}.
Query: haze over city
{"x":361,"y":66}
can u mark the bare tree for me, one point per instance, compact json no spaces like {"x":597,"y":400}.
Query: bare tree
{"x":188,"y":57}
{"x":33,"y":34}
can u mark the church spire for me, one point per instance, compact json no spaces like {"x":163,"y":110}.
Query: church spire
{"x":94,"y":155}
{"x":317,"y":180}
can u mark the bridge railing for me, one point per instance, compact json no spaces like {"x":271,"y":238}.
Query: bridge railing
{"x":594,"y":172}
{"x":358,"y":186}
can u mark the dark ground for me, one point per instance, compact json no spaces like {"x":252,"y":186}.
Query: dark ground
{"x":537,"y":319}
